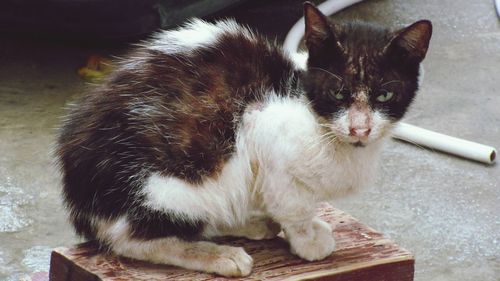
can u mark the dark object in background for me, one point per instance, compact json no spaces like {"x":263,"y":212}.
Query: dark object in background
{"x":173,"y":12}
{"x":108,"y":20}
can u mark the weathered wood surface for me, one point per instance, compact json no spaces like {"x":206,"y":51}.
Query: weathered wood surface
{"x":362,"y":254}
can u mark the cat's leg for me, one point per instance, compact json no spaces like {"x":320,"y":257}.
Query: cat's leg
{"x":256,"y":228}
{"x":293,"y":207}
{"x":198,"y":255}
{"x":195,"y":255}
{"x":286,"y":140}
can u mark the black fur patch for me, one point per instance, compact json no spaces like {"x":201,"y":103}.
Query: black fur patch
{"x":150,"y":224}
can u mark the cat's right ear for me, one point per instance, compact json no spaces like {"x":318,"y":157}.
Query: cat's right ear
{"x":318,"y":33}
{"x":410,"y":44}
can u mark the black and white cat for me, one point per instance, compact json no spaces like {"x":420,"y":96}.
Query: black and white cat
{"x":211,"y":130}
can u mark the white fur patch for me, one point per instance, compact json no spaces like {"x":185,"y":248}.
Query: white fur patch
{"x":380,"y":126}
{"x":300,"y":60}
{"x":112,"y":230}
{"x":196,"y":34}
{"x":340,"y":124}
{"x":220,"y":201}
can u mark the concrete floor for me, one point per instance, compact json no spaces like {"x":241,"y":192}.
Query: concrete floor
{"x":442,"y":208}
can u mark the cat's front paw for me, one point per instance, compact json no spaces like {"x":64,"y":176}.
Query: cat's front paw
{"x":314,"y":243}
{"x":231,"y":262}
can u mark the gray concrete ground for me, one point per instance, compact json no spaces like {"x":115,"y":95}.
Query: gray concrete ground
{"x":442,"y":208}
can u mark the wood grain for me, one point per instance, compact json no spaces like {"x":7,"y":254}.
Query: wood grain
{"x":362,"y":254}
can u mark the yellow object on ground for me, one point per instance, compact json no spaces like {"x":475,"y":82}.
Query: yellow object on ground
{"x":97,"y":68}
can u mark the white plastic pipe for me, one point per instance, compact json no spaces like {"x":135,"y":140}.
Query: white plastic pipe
{"x":497,"y":6}
{"x":466,"y":149}
{"x":452,"y":145}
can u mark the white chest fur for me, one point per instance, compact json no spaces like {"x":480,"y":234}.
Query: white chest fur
{"x":285,"y":139}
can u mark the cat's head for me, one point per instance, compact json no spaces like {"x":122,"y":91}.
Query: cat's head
{"x":360,"y":77}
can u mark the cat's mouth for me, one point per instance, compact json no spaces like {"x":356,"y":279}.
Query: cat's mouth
{"x":358,"y":144}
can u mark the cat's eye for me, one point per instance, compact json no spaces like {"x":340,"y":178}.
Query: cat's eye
{"x":385,"y":96}
{"x":340,"y":95}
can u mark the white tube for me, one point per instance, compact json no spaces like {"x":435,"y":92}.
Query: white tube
{"x":497,"y":5}
{"x":403,"y":131}
{"x":463,"y":148}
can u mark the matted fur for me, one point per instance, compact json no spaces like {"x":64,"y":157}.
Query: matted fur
{"x":212,"y":130}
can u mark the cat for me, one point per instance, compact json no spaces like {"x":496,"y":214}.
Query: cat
{"x":211,"y":130}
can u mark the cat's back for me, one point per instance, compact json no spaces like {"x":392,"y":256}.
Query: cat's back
{"x":222,"y":60}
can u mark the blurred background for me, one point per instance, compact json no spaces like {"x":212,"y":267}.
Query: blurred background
{"x":444,"y":209}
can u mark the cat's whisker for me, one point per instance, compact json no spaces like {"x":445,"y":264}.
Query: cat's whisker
{"x":328,"y":134}
{"x":392,"y":81}
{"x":326,"y":71}
{"x":320,"y":141}
{"x":325,"y":125}
{"x":330,"y":137}
{"x":417,"y":144}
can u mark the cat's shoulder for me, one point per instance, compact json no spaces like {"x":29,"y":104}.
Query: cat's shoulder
{"x":282,"y":125}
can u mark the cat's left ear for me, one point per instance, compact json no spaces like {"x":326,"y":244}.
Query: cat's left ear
{"x":411,"y":43}
{"x":318,"y":33}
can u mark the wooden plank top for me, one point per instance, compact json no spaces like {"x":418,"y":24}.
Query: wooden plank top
{"x":362,"y":254}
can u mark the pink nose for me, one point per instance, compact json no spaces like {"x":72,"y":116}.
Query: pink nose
{"x":359,"y":132}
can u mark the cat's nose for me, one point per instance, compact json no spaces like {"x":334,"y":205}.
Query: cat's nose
{"x":359,"y":132}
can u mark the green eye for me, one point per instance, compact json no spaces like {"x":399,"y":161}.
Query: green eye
{"x":340,"y":95}
{"x":385,"y":96}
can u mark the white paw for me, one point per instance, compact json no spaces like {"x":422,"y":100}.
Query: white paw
{"x":314,"y":243}
{"x":231,"y":262}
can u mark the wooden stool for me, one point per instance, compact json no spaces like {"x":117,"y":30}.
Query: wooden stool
{"x":362,"y":254}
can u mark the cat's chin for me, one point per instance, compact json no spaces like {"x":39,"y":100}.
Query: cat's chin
{"x":358,"y":144}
